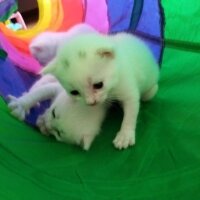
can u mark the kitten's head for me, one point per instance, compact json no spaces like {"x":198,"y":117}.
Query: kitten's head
{"x":44,"y":47}
{"x":86,"y":68}
{"x":63,"y":119}
{"x":52,"y":121}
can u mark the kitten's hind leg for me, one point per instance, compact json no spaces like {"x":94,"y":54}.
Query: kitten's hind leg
{"x":150,"y":93}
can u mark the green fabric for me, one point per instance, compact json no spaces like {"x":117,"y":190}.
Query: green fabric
{"x":182,"y":23}
{"x":164,"y":164}
{"x":3,"y":54}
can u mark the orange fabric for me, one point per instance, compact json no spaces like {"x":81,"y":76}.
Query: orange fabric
{"x":6,"y":31}
{"x":20,"y":43}
{"x":73,"y":13}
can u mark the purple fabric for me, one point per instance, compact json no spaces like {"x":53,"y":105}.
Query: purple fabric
{"x":96,"y":15}
{"x":119,"y":13}
{"x":15,"y":81}
{"x":20,"y":59}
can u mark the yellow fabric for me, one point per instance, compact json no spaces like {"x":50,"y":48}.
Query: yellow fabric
{"x":45,"y":10}
{"x":57,"y":16}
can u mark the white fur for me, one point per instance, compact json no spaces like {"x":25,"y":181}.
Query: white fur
{"x":122,"y":62}
{"x":44,"y":46}
{"x":77,"y":123}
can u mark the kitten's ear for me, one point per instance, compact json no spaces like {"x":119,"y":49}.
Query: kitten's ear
{"x":50,"y":68}
{"x":106,"y":53}
{"x":36,"y":48}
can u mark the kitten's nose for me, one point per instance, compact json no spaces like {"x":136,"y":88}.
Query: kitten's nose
{"x":91,"y":102}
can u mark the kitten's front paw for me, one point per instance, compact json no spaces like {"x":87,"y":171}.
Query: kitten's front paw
{"x":124,"y":139}
{"x":16,"y":108}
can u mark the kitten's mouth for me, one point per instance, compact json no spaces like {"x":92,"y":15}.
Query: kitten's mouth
{"x":92,"y":104}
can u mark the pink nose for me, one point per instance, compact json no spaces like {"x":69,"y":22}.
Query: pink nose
{"x":92,"y":103}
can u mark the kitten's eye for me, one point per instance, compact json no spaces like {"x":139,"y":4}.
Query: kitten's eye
{"x":74,"y":92}
{"x":98,"y":86}
{"x":53,"y":113}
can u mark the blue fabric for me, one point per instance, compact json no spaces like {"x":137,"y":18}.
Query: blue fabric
{"x":141,"y":17}
{"x":150,"y":27}
{"x":155,"y":47}
{"x":150,"y":18}
{"x":119,"y":14}
{"x":136,"y":13}
{"x":10,"y":81}
{"x":15,"y":81}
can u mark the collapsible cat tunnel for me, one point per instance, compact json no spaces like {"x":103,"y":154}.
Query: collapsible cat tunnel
{"x":164,"y":164}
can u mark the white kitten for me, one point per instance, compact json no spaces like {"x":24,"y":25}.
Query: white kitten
{"x":95,"y":68}
{"x":44,"y":46}
{"x":66,"y":119}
